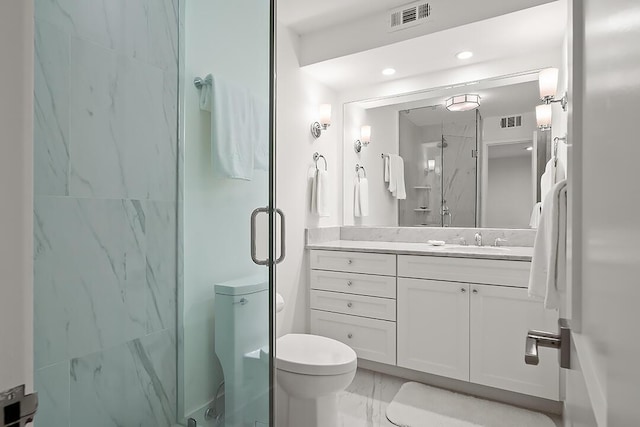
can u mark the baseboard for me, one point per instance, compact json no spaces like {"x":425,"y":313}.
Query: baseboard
{"x":498,"y":395}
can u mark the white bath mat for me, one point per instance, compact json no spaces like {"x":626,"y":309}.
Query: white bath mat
{"x":418,"y":405}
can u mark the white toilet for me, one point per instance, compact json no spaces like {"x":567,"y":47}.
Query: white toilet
{"x":310,"y":371}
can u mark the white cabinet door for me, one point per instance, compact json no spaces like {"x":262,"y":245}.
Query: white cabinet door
{"x":433,"y":327}
{"x":500,"y":319}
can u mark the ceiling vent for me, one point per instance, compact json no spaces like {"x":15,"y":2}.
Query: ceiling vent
{"x":511,"y":122}
{"x":409,"y":15}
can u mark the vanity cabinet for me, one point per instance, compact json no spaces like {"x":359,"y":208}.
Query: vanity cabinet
{"x":460,"y":318}
{"x":353,"y":300}
{"x":500,"y":318}
{"x":433,"y":327}
{"x":471,"y":331}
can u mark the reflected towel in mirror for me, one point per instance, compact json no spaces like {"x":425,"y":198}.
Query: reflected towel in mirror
{"x":396,"y":177}
{"x":361,"y":198}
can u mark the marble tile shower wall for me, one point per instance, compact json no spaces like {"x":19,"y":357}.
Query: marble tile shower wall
{"x":106,"y":83}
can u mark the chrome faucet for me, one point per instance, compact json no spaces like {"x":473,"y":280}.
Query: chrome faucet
{"x":445,"y":213}
{"x":478,"y":238}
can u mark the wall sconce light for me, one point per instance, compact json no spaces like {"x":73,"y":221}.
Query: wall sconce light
{"x":325,"y":120}
{"x":548,"y":82}
{"x":543,"y":116}
{"x":365,"y":138}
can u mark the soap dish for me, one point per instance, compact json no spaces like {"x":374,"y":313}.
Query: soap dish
{"x":436,"y":242}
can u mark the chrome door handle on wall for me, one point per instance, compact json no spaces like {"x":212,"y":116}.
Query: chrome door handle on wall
{"x":560,"y":341}
{"x":254,"y":250}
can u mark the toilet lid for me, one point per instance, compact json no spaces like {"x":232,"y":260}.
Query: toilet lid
{"x":314,"y":355}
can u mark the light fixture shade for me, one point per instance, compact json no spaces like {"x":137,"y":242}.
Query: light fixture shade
{"x":548,"y":81}
{"x":463,"y":102}
{"x":365,"y":134}
{"x":543,"y":116}
{"x":431,"y":165}
{"x":325,"y":114}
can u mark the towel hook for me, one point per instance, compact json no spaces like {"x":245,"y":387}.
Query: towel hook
{"x":358,"y":167}
{"x":317,"y":156}
{"x":198,"y":82}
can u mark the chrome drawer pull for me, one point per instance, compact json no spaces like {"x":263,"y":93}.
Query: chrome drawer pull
{"x":350,"y":261}
{"x":350,"y":305}
{"x":350,"y":336}
{"x":349,"y":283}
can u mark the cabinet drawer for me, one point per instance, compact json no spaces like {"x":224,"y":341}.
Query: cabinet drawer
{"x":353,"y":283}
{"x":371,"y":339}
{"x":469,"y":270}
{"x":354,"y":262}
{"x":357,"y":305}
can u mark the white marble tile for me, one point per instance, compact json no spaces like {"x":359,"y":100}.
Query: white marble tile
{"x":51,"y":108}
{"x":98,"y":21}
{"x":89,"y":277}
{"x":364,"y":402}
{"x":52,"y":385}
{"x":129,"y":385}
{"x":322,"y":234}
{"x":160,"y":243}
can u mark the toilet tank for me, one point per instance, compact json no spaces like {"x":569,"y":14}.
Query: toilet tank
{"x":241,"y":312}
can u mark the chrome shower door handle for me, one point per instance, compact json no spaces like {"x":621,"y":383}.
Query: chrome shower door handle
{"x":283,"y":242}
{"x":254,"y":250}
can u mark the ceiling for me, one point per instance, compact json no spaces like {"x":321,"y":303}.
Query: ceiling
{"x":305,"y":16}
{"x":498,"y":101}
{"x":514,"y":35}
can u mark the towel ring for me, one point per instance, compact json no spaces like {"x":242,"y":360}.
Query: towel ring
{"x":358,"y":167}
{"x":317,"y":156}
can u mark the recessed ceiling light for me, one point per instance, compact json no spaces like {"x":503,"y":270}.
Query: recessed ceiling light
{"x":529,"y":148}
{"x":388,"y":71}
{"x":464,"y":55}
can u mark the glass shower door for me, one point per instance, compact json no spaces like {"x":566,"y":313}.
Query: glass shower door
{"x":227,"y":215}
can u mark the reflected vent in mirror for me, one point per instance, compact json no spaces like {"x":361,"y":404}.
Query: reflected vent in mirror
{"x":409,"y":15}
{"x":511,"y":122}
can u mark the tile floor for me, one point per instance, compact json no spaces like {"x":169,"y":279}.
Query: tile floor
{"x":364,"y":402}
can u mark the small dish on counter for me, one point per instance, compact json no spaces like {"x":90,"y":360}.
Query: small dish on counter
{"x":436,"y":242}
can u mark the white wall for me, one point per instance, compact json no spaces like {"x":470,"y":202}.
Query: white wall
{"x":216,"y":209}
{"x":509,"y":199}
{"x":383,"y":208}
{"x":298,"y":97}
{"x":16,"y":191}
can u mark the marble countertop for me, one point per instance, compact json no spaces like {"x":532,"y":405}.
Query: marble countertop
{"x":511,"y":253}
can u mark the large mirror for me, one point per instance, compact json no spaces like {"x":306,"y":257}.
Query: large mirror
{"x":462,"y":121}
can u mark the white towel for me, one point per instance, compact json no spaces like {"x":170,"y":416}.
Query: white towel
{"x":361,"y":198}
{"x":548,"y":266}
{"x":535,"y":215}
{"x":552,"y":175}
{"x":386,"y":168}
{"x":239,"y":128}
{"x":396,"y":177}
{"x":320,"y":193}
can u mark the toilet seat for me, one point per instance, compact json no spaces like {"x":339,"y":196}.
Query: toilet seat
{"x":314,"y":355}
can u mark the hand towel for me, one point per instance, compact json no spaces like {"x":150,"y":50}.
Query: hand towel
{"x":396,"y":177}
{"x":386,"y":168}
{"x":320,"y":193}
{"x":261,"y":134}
{"x":548,"y":266}
{"x":552,"y":175}
{"x":535,"y":215}
{"x":361,"y":198}
{"x":206,"y":93}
